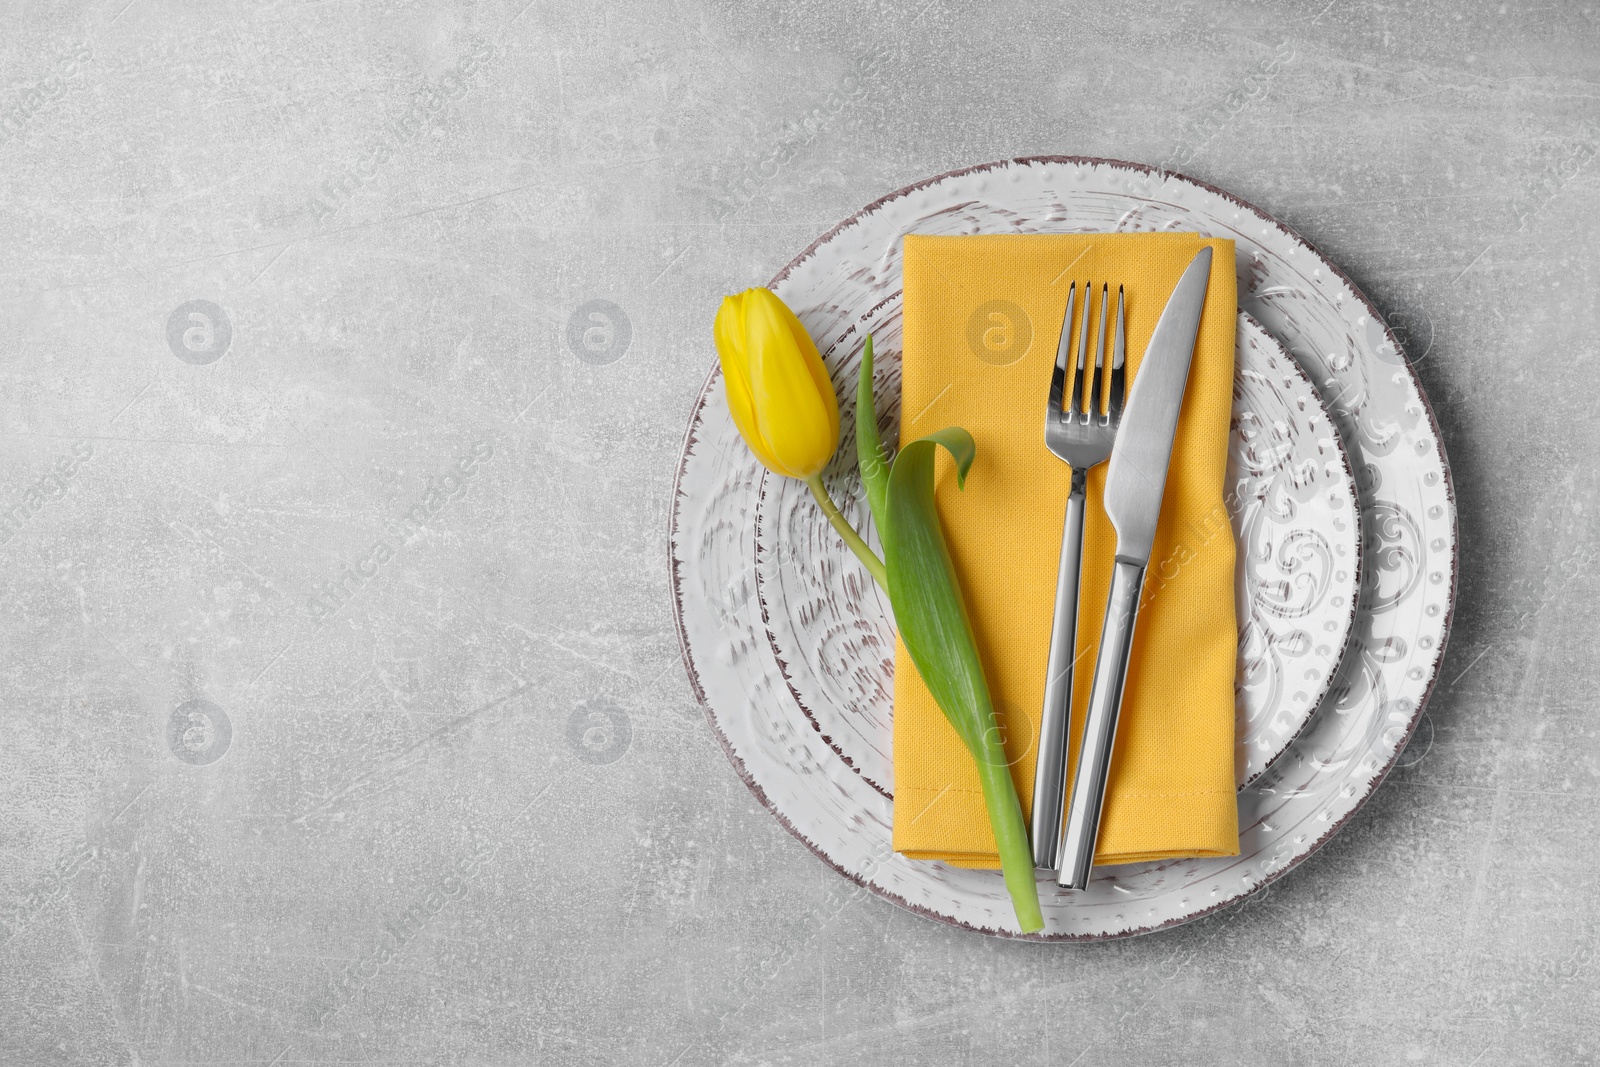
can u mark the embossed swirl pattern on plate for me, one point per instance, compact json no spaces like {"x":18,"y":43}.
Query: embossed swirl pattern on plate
{"x":1292,"y":501}
{"x":1407,"y":579}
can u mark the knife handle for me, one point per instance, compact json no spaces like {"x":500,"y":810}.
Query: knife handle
{"x":1100,"y":727}
{"x":1050,"y":770}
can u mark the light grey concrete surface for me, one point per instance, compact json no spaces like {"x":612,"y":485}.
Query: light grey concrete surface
{"x":474,"y":816}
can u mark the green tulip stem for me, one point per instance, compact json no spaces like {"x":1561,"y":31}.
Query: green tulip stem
{"x":863,"y":551}
{"x":1010,"y":831}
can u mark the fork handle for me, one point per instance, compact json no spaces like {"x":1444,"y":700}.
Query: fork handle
{"x":1100,"y":726}
{"x":1050,"y":773}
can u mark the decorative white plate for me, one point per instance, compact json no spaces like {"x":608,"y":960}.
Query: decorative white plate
{"x":730,"y":523}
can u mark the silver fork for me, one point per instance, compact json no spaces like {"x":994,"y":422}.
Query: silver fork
{"x":1080,"y":431}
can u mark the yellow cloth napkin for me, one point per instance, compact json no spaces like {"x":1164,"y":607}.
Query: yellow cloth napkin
{"x":982,"y":317}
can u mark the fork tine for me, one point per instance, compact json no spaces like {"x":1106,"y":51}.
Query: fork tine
{"x":1118,"y":371}
{"x":1097,"y":385}
{"x":1078,"y":402}
{"x":1063,"y":348}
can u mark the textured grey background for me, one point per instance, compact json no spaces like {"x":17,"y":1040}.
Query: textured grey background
{"x":471,"y":814}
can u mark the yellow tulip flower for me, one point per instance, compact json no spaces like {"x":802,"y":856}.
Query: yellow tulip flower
{"x":781,"y":398}
{"x":779,"y":392}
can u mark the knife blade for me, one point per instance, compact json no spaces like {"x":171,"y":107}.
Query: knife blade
{"x":1135,"y":482}
{"x":1137,"y":476}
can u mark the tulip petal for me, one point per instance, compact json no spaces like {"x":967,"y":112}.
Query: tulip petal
{"x":814,"y":365}
{"x":798,"y":422}
{"x":732,"y":353}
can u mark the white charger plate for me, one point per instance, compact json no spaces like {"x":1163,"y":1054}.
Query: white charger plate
{"x":726,"y":529}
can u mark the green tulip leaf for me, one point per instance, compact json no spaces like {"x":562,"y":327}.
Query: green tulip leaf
{"x":932,"y":619}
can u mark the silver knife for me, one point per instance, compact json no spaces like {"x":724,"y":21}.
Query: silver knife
{"x":1135,"y":481}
